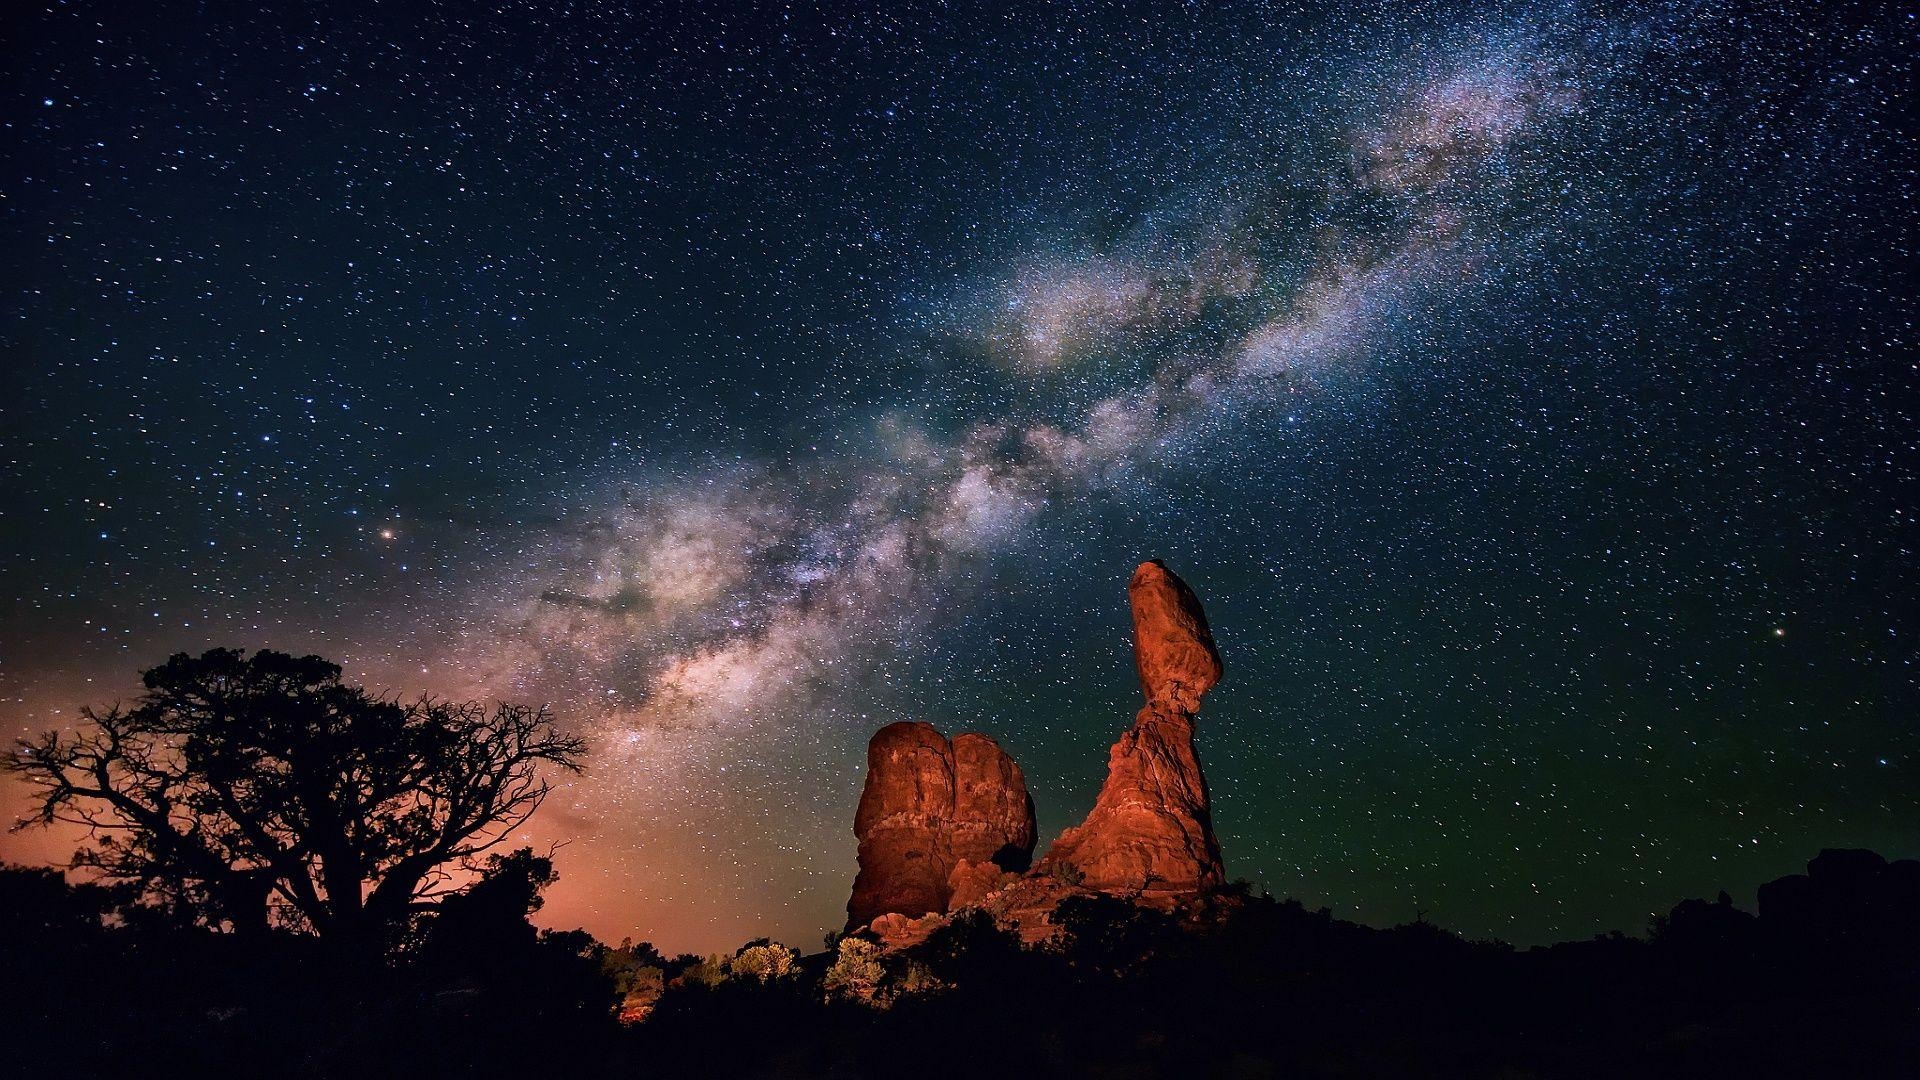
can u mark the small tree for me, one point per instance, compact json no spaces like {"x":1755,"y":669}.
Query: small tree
{"x":252,"y":791}
{"x":856,"y":973}
{"x":767,"y":962}
{"x":490,"y":916}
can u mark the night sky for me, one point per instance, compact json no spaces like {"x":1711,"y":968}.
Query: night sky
{"x":1529,"y":394}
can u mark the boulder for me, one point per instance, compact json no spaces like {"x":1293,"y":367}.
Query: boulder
{"x":1172,"y":646}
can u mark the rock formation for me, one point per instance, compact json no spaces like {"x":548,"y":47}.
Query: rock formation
{"x":1150,"y":831}
{"x":941,"y":823}
{"x":944,"y":826}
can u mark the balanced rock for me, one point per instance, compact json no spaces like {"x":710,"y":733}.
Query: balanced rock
{"x":1151,"y":830}
{"x":941,"y":823}
{"x":1172,"y":647}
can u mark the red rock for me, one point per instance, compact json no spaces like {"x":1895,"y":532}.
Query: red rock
{"x":992,"y":819}
{"x":973,"y":882}
{"x":936,"y":818}
{"x":896,"y":931}
{"x":946,"y":825}
{"x":1027,"y":904}
{"x":1172,"y":647}
{"x":1151,"y":830}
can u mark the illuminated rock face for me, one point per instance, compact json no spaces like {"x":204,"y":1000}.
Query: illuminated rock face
{"x":946,"y":825}
{"x":1172,"y":647}
{"x":1150,"y":830}
{"x":941,"y":823}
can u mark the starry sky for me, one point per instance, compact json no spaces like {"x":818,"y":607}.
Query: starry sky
{"x":1527,"y":391}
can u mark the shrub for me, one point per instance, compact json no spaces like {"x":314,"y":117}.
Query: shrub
{"x":856,"y":974}
{"x":767,"y":963}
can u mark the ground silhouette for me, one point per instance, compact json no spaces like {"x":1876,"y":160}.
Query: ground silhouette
{"x":1823,"y":981}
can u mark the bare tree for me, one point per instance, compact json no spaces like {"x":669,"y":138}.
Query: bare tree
{"x":258,"y":791}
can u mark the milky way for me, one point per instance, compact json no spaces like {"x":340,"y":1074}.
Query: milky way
{"x":1521,"y":393}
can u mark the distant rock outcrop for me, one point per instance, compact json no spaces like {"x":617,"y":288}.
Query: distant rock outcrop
{"x":941,"y":823}
{"x":1151,"y":830}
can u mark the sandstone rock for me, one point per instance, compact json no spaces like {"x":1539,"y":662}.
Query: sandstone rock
{"x":1027,"y":904}
{"x":992,"y":819}
{"x":1172,"y":647}
{"x":936,"y":818}
{"x":945,"y":825}
{"x":1151,"y":829}
{"x":897,"y":931}
{"x":973,"y":882}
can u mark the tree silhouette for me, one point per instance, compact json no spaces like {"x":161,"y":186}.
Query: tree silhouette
{"x":255,"y":791}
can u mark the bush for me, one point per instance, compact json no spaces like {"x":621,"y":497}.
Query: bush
{"x":856,"y":973}
{"x":767,"y":963}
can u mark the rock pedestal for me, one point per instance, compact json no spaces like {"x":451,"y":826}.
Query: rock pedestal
{"x":1150,"y":830}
